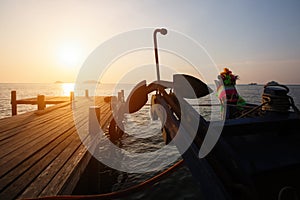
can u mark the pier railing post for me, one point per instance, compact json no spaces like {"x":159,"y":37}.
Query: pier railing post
{"x":13,"y":102}
{"x":86,"y":93}
{"x":71,"y":96}
{"x":121,"y":98}
{"x":94,"y":119}
{"x":72,"y":99}
{"x":113,"y":103}
{"x":41,"y":102}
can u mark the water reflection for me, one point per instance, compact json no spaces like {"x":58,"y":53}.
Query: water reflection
{"x":67,"y":88}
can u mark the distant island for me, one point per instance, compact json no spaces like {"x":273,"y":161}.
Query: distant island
{"x":91,"y":82}
{"x":85,"y":82}
{"x":62,"y":82}
{"x":252,"y":84}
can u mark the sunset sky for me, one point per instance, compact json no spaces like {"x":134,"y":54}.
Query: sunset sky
{"x":49,"y":40}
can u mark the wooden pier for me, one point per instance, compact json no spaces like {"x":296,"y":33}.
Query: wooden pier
{"x":41,"y":153}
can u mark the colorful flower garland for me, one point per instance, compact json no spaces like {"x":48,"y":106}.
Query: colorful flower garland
{"x":228,"y":78}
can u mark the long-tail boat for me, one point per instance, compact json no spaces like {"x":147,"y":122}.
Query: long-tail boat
{"x":253,"y":152}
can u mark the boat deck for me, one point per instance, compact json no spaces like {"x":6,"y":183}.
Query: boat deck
{"x":41,"y":153}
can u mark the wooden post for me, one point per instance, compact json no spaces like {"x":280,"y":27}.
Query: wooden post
{"x":72,"y":103}
{"x":113,"y":103}
{"x":86,"y":93}
{"x":71,"y":96}
{"x":41,"y":102}
{"x":122,"y":96}
{"x":13,"y":102}
{"x":94,"y":119}
{"x":119,"y":97}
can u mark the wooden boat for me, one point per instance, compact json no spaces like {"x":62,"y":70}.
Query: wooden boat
{"x":257,"y":155}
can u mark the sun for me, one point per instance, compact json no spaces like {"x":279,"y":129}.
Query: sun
{"x":69,"y":55}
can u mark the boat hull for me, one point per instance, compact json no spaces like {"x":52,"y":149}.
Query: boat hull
{"x":254,"y":158}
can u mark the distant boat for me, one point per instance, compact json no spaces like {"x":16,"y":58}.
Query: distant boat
{"x":252,"y":84}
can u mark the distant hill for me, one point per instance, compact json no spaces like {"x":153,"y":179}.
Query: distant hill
{"x":90,"y":82}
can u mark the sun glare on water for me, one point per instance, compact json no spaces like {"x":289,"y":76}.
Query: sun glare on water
{"x":67,"y":88}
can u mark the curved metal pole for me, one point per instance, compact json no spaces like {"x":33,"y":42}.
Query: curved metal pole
{"x":163,"y":31}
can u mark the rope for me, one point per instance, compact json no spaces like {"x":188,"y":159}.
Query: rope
{"x":119,"y":193}
{"x":276,"y":103}
{"x":278,"y":99}
{"x":252,"y":110}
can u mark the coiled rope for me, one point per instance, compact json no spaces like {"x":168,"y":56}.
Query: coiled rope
{"x":277,"y":100}
{"x":274,"y":100}
{"x":116,"y":194}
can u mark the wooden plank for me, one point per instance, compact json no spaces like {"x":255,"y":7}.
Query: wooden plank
{"x":22,"y":120}
{"x":47,"y":156}
{"x":23,"y":181}
{"x":66,"y":180}
{"x":20,"y":133}
{"x":19,"y":155}
{"x":13,"y":120}
{"x":25,"y":166}
{"x":34,"y":102}
{"x":36,"y":187}
{"x":30,"y":136}
{"x":27,"y":99}
{"x":51,"y":108}
{"x":30,"y":161}
{"x":79,"y":160}
{"x":34,"y":136}
{"x":70,"y":174}
{"x":54,"y":102}
{"x":47,"y":98}
{"x":32,"y":122}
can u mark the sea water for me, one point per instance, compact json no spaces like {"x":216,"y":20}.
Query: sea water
{"x":251,"y":93}
{"x":180,"y":184}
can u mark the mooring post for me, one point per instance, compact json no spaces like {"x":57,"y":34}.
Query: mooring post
{"x":13,"y":102}
{"x":86,"y":93}
{"x":71,"y":99}
{"x":119,"y":97}
{"x":113,"y":103}
{"x":94,"y":119}
{"x":122,"y":96}
{"x":71,"y":96}
{"x":41,"y":102}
